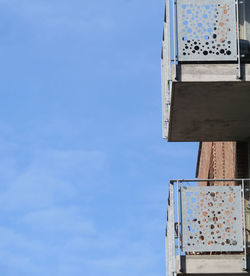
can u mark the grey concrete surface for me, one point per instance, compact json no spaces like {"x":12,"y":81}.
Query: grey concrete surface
{"x":208,"y":103}
{"x":211,"y":72}
{"x":212,"y":264}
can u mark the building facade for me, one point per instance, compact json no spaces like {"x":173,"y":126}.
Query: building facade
{"x":206,"y":99}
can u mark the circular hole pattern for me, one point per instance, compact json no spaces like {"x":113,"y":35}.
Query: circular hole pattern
{"x":212,"y":219}
{"x":204,"y":25}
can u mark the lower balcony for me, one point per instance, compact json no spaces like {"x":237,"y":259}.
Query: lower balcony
{"x":207,"y":227}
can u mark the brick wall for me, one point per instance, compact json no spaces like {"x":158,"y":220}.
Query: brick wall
{"x":218,"y":160}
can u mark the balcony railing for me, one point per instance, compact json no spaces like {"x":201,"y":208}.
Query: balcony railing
{"x":206,"y":220}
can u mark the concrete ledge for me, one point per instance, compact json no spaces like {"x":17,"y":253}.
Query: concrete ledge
{"x":211,"y":72}
{"x":212,"y":264}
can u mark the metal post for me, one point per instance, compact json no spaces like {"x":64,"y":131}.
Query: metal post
{"x":172,"y":247}
{"x":166,"y":70}
{"x":244,"y":227}
{"x":174,"y":34}
{"x":181,"y":218}
{"x":163,"y":87}
{"x":238,"y":40}
{"x":168,"y":242}
{"x":178,"y":225}
{"x":168,"y":38}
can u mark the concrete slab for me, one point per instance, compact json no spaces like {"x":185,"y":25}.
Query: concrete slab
{"x":201,"y":72}
{"x":213,"y":264}
{"x":211,"y":110}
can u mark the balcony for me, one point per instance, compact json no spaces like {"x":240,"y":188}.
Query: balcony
{"x":208,"y":227}
{"x":206,"y":70}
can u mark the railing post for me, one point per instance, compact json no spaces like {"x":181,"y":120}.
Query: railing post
{"x":239,"y":76}
{"x":178,"y":226}
{"x":175,"y":36}
{"x":170,"y":237}
{"x":166,"y":70}
{"x":172,"y":248}
{"x":244,"y":227}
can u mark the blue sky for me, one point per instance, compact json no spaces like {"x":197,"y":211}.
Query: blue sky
{"x":83,"y":168}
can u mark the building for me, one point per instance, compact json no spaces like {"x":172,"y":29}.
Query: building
{"x":206,"y":98}
{"x":222,"y":160}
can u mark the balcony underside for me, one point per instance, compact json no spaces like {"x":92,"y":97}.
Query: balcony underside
{"x":209,"y":104}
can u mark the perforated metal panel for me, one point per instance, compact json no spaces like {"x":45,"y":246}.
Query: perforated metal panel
{"x":206,"y":30}
{"x":211,"y":219}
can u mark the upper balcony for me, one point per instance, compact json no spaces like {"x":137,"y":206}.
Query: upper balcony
{"x":206,"y":70}
{"x":208,"y":227}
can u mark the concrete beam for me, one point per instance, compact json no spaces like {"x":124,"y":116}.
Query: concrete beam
{"x":212,"y":264}
{"x":211,"y":72}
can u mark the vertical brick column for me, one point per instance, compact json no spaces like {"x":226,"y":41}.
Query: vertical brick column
{"x":217,"y":160}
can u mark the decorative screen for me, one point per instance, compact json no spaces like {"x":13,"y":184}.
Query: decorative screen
{"x":211,"y":219}
{"x":206,"y":30}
